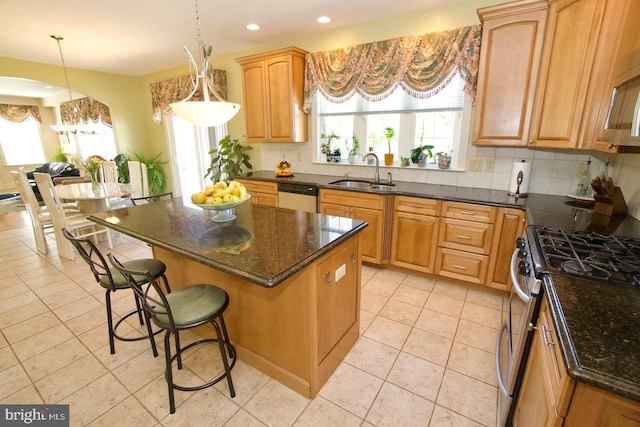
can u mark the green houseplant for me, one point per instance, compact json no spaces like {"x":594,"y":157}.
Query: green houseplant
{"x":59,"y":156}
{"x":333,"y":155}
{"x":228,"y":160}
{"x":354,"y":149}
{"x":419,"y":154}
{"x":155,"y":174}
{"x":389,"y":133}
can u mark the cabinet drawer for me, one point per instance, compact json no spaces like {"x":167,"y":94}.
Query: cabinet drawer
{"x":352,"y":199}
{"x":469,"y":212}
{"x":418,"y":205}
{"x":259,"y":186}
{"x":264,"y":199}
{"x":462,"y":265}
{"x":466,"y":235}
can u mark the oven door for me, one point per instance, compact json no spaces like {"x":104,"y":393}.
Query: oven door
{"x":512,"y":336}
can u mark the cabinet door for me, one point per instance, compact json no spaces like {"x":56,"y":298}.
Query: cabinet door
{"x":335,"y":210}
{"x":570,"y":43}
{"x":512,"y":38}
{"x":414,"y":241}
{"x":265,"y":199}
{"x":337,"y":296}
{"x":254,"y":97}
{"x":370,"y":237}
{"x":508,"y":228}
{"x":279,"y":95}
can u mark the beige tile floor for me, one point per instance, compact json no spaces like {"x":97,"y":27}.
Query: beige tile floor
{"x":424,"y":358}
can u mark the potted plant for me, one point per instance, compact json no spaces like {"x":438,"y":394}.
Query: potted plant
{"x":59,"y":156}
{"x":155,"y":174}
{"x":388,"y":157}
{"x":420,"y":154}
{"x":443,"y":159}
{"x":228,"y":160}
{"x":354,"y":150}
{"x":325,"y":147}
{"x":370,"y":160}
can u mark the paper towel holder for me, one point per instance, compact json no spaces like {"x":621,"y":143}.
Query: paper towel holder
{"x":519,"y":178}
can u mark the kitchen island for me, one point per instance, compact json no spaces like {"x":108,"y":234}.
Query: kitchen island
{"x":293,"y":279}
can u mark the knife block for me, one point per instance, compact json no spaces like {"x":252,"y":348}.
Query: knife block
{"x":610,"y":205}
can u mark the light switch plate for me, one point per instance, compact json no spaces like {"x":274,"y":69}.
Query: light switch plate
{"x":475,"y":164}
{"x":489,"y":164}
{"x":340,"y":272}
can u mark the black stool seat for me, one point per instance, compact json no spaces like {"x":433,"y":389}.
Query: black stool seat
{"x":192,"y":306}
{"x":155,"y":267}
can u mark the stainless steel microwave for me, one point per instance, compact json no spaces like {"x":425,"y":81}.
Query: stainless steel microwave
{"x":622,"y":126}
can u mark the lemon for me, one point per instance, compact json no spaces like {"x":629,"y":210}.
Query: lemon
{"x":198,"y":198}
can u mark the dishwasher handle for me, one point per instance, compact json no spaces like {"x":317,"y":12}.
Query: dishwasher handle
{"x":298,"y":188}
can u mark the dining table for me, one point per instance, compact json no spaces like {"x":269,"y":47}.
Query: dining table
{"x":93,"y":198}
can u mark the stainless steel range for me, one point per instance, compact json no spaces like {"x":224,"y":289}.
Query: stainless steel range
{"x":590,"y":256}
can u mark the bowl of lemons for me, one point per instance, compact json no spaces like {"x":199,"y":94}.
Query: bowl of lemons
{"x":221,"y":197}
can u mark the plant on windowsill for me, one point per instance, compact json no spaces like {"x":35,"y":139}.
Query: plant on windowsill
{"x":443,"y":159}
{"x":228,"y":160}
{"x":325,"y":147}
{"x":370,"y":159}
{"x":354,"y":149}
{"x":420,"y":154}
{"x":388,"y":157}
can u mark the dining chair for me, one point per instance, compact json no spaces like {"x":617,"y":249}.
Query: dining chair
{"x":76,"y":222}
{"x":112,"y":280}
{"x":150,"y":199}
{"x":108,"y":171}
{"x":39,"y":215}
{"x":183,"y":309}
{"x":138,"y":178}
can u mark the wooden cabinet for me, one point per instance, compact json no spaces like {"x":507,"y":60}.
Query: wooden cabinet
{"x":549,"y":397}
{"x":372,"y":208}
{"x":262,"y":192}
{"x":509,"y":226}
{"x":464,"y":241}
{"x":512,"y":39}
{"x":273,"y":86}
{"x":580,"y":44}
{"x":415,"y":233}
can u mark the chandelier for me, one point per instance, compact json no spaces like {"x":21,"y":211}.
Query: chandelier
{"x":206,"y":112}
{"x":64,"y":128}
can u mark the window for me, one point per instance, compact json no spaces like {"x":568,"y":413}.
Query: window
{"x":442,"y":120}
{"x":96,"y":140}
{"x":20,"y":142}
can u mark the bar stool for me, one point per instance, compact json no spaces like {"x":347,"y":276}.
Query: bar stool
{"x":112,"y":280}
{"x":183,"y":309}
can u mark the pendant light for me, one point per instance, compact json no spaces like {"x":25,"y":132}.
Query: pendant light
{"x":64,"y":128}
{"x":206,"y":112}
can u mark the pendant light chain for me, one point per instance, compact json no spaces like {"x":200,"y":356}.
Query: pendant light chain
{"x":64,"y":66}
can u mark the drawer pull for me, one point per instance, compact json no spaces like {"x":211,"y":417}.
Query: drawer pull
{"x":353,"y":258}
{"x":547,"y":335}
{"x":328,"y":278}
{"x":467,"y":213}
{"x":459,"y":267}
{"x":416,"y":207}
{"x":463,"y":237}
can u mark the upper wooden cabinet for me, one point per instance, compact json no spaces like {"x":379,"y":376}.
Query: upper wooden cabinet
{"x":273,"y":86}
{"x":512,"y":39}
{"x":580,"y":45}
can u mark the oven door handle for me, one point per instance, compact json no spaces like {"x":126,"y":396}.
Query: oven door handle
{"x":515,"y":283}
{"x":501,"y":386}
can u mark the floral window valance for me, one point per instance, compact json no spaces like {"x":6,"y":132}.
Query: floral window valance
{"x":421,"y":65}
{"x":19,"y":113}
{"x":173,"y":90}
{"x":84,"y":110}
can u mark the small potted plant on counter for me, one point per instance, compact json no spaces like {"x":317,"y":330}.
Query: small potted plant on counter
{"x":443,"y":159}
{"x":420,"y":154}
{"x":325,"y":147}
{"x":354,"y":149}
{"x":388,"y":157}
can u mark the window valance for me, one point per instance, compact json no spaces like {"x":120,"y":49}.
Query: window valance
{"x":421,"y":65}
{"x":84,"y":110}
{"x":173,"y":90}
{"x":19,"y":113}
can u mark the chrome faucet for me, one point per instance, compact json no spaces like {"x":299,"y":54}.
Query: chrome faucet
{"x":377,"y":177}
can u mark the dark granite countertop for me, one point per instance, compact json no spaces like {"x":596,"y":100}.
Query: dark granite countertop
{"x":598,"y":324}
{"x":263,"y":245}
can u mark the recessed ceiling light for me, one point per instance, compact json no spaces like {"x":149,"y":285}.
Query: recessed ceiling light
{"x":324,"y":19}
{"x":48,"y":87}
{"x":253,"y":27}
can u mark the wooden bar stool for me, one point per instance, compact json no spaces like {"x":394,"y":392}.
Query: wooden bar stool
{"x":185,"y":308}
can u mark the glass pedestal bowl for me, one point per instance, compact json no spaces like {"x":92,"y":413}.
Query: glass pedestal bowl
{"x":223,"y":211}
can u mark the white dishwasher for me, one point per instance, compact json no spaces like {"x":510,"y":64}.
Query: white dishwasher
{"x":298,"y":196}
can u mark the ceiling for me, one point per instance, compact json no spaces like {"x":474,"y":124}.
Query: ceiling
{"x":137,"y":37}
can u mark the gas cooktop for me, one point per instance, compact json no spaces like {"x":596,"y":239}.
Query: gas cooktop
{"x":592,"y":256}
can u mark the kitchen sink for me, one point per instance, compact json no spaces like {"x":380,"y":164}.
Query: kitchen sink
{"x":356,"y":183}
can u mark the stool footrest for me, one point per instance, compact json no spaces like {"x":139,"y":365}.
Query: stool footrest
{"x":232,"y":356}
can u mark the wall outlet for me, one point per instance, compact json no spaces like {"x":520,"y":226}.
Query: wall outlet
{"x":298,"y":156}
{"x":340,"y":272}
{"x":489,"y":164}
{"x":475,"y":164}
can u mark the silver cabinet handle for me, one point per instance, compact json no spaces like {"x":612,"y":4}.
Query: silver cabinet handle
{"x":328,"y":277}
{"x":461,"y":236}
{"x":547,"y":335}
{"x":501,"y":385}
{"x":467,"y":213}
{"x":459,"y":267}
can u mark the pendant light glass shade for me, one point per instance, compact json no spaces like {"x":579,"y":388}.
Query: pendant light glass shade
{"x":206,"y":112}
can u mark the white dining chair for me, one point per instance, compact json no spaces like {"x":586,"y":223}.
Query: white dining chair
{"x":138,"y":179}
{"x":109,"y":171}
{"x":76,"y":223}
{"x":39,"y":215}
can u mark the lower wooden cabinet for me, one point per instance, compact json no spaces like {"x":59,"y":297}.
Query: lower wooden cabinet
{"x":509,"y":226}
{"x":262,"y":192}
{"x":415,"y":233}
